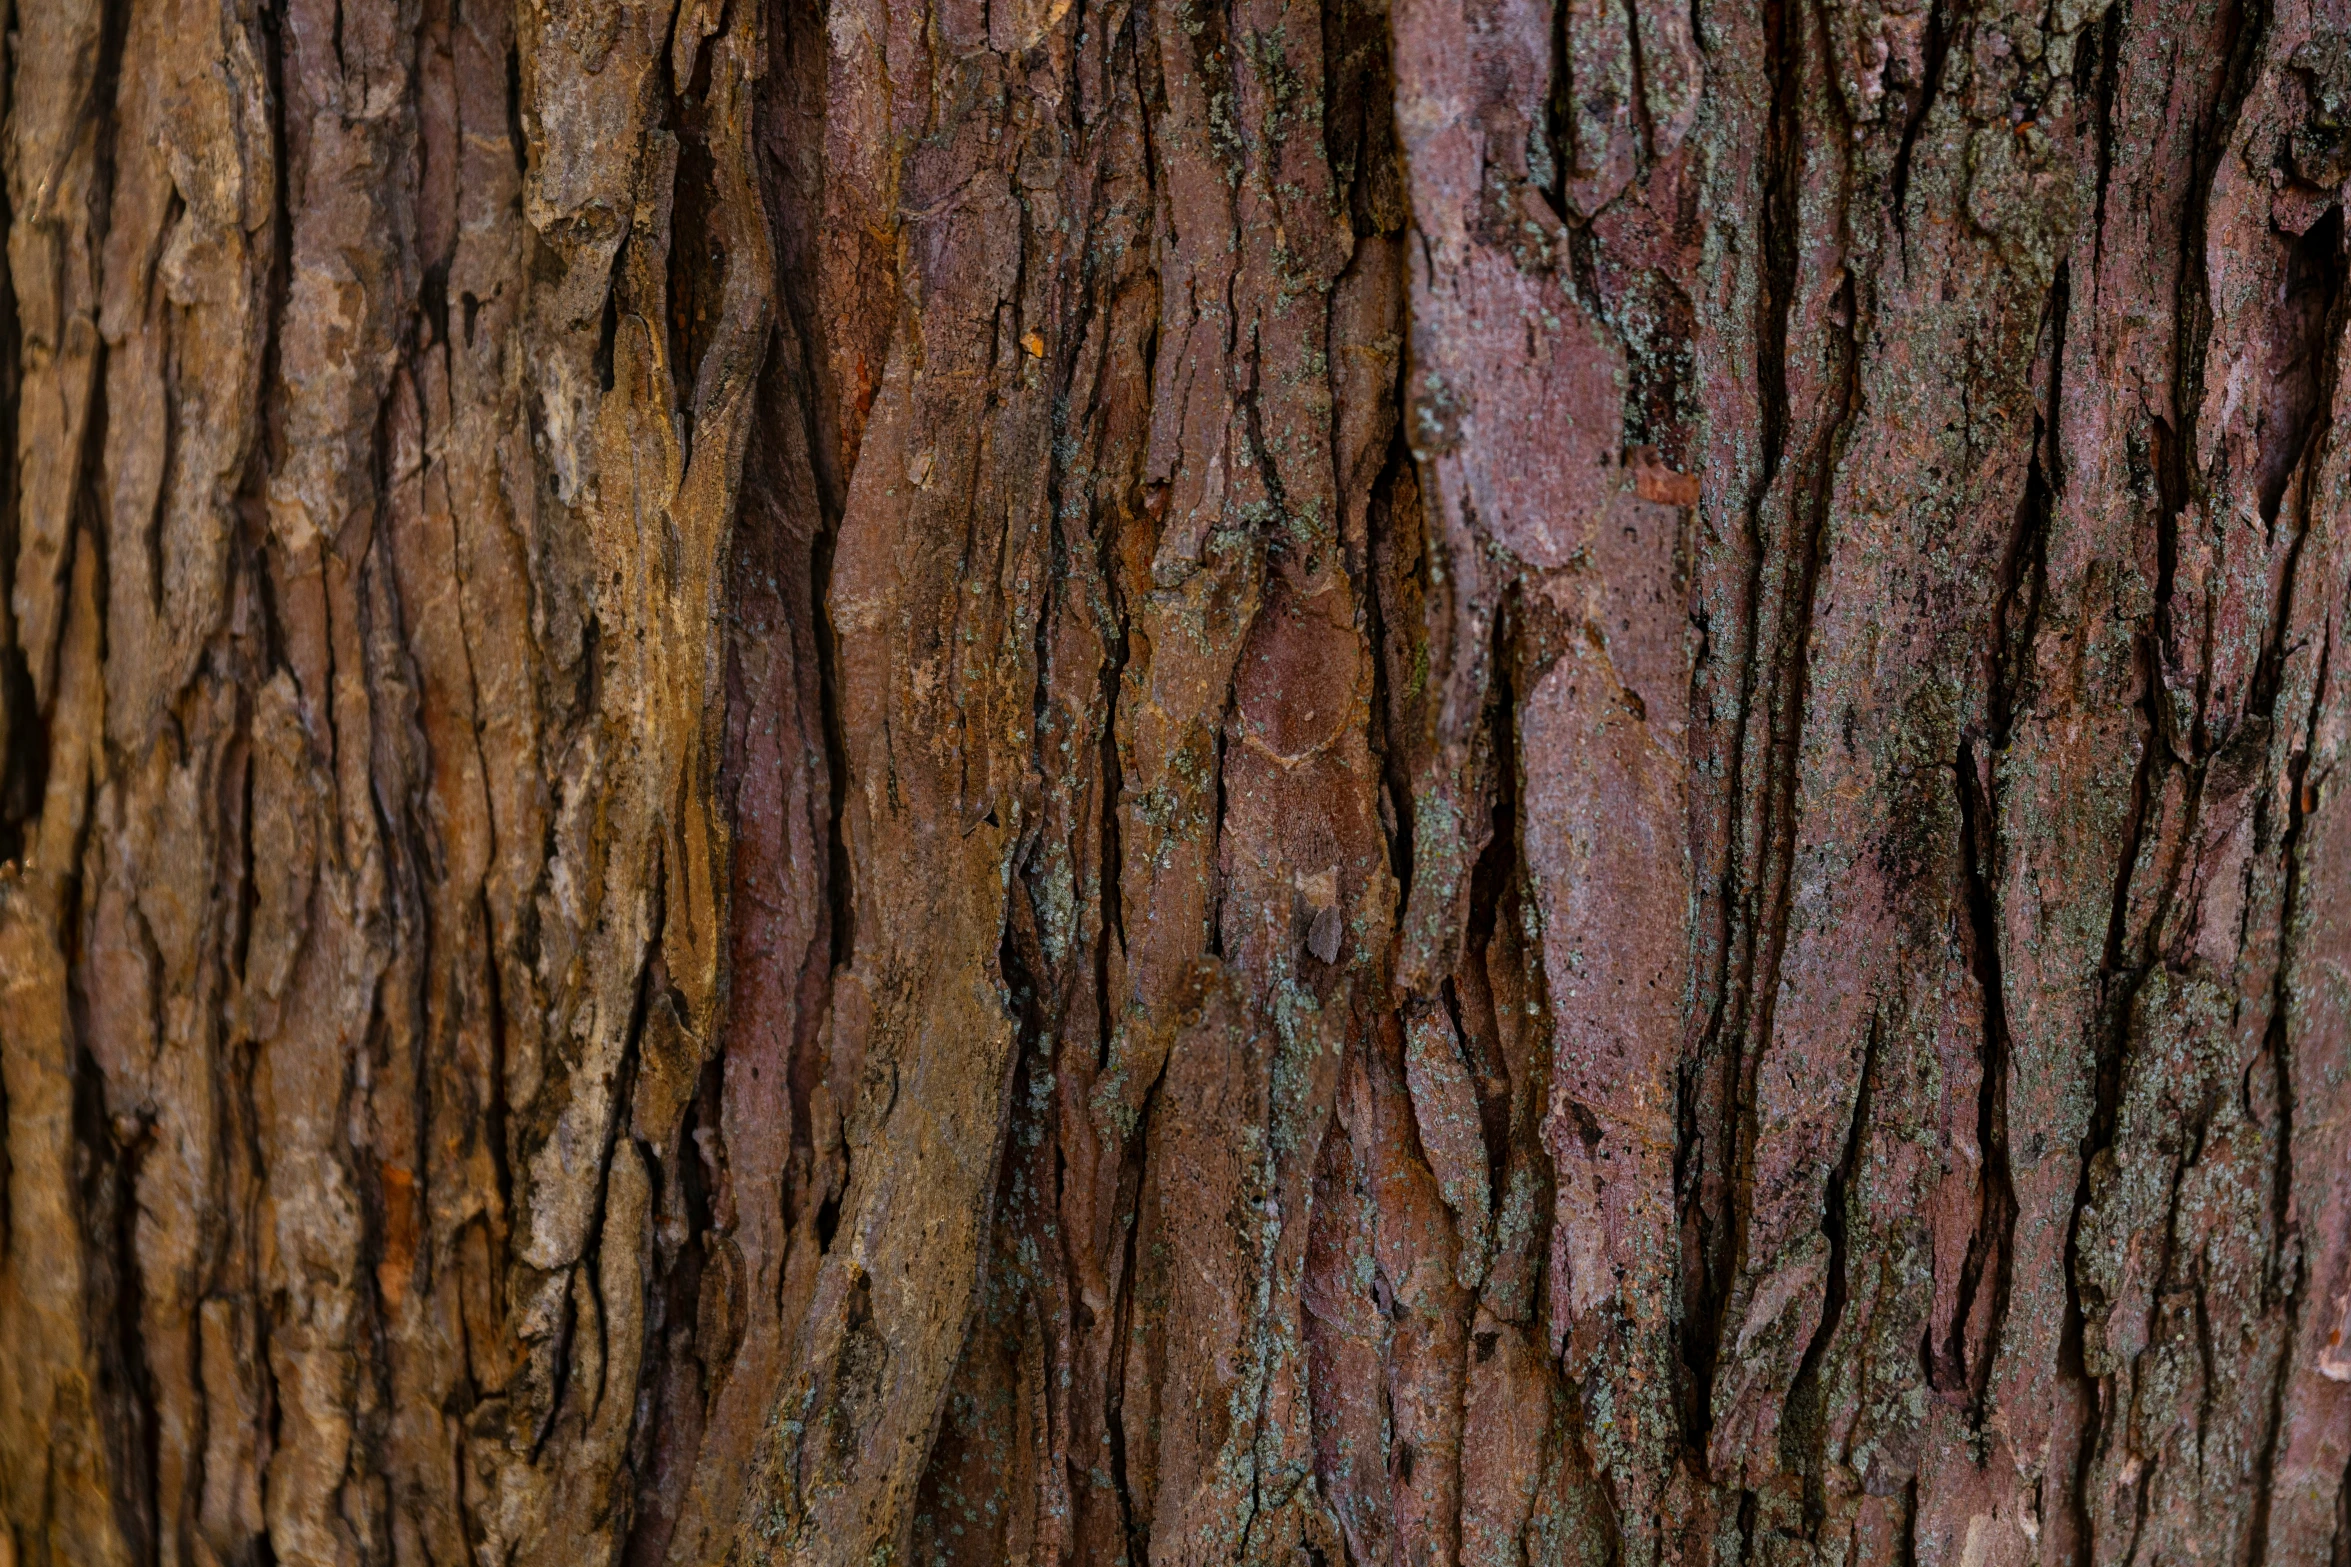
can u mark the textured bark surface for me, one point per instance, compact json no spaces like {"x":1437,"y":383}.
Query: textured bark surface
{"x":948,"y":782}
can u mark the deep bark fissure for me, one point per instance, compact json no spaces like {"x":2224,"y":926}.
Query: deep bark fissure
{"x":1763,"y":695}
{"x":2184,"y":484}
{"x":1395,"y":769}
{"x":1557,"y":128}
{"x":2302,"y":373}
{"x":1805,"y":1430}
{"x":2110,"y":28}
{"x":2024,"y":570}
{"x":109,"y":1145}
{"x":111,"y":1152}
{"x":2315,"y":334}
{"x":1938,"y":45}
{"x":1968,"y":1362}
{"x":588,"y":1266}
{"x":1790,"y":697}
{"x":1123,"y":1307}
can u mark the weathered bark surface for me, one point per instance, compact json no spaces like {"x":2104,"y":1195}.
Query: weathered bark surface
{"x":972,"y":781}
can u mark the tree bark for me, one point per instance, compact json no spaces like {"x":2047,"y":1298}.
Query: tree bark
{"x":1378,"y":782}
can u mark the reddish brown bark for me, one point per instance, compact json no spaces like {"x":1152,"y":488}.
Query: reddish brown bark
{"x":907,"y":781}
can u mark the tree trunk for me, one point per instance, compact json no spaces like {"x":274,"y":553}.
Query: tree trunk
{"x":1174,"y":781}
